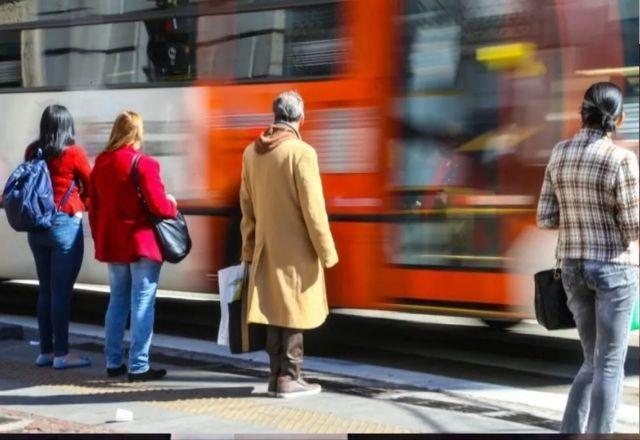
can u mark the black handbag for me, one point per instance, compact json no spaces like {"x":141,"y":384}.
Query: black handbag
{"x":551,"y":307}
{"x":244,"y":337}
{"x":172,"y":233}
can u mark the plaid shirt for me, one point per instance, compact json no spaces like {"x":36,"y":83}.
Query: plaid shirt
{"x":590,"y":193}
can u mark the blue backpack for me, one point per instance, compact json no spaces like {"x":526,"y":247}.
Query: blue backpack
{"x":28,"y":196}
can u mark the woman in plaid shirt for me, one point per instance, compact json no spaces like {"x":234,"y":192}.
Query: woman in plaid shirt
{"x":590,"y":193}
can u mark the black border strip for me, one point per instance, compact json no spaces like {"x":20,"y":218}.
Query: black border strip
{"x":206,"y":82}
{"x":450,"y":268}
{"x":397,"y":218}
{"x":456,"y":305}
{"x":133,"y":86}
{"x":351,"y":218}
{"x":232,"y":212}
{"x":228,"y":211}
{"x":79,"y":50}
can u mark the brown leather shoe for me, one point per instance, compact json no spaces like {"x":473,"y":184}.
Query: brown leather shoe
{"x":272,"y":389}
{"x":289,"y":388}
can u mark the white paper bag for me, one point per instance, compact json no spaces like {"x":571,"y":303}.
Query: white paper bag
{"x":229,"y":284}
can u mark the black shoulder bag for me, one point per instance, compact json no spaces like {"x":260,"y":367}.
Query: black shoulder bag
{"x":172,"y":233}
{"x":552,"y":311}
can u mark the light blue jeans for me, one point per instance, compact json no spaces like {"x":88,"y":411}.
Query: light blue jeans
{"x":601,"y":297}
{"x":133,"y":291}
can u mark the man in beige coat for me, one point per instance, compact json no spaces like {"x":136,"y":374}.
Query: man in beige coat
{"x":286,"y":237}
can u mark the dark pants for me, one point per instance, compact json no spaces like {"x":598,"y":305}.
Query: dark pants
{"x":285,"y":349}
{"x":58,"y":255}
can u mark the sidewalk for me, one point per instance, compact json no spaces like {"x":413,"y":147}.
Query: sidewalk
{"x":218,"y":397}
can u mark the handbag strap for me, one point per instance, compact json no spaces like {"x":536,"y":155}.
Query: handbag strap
{"x":244,"y":323}
{"x":557,"y":270}
{"x":136,"y":179}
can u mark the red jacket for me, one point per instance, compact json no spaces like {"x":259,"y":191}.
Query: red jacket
{"x":120,"y":225}
{"x":71,"y":164}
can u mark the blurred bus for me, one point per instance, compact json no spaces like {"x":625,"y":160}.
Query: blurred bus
{"x":433,"y":121}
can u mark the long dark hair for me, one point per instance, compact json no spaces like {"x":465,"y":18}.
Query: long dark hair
{"x":602,"y":106}
{"x":56,"y":132}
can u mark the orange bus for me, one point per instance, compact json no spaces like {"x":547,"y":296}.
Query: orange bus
{"x":433,"y":121}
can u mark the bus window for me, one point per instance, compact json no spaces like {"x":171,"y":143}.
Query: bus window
{"x":86,"y":43}
{"x":630,"y":130}
{"x":457,"y":122}
{"x":45,"y":13}
{"x":10,"y":64}
{"x":276,"y":44}
{"x":109,"y":54}
{"x":171,"y":49}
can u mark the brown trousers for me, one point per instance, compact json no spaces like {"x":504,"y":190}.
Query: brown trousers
{"x":285,"y":349}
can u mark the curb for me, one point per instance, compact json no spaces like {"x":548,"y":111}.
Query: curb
{"x":11,"y":331}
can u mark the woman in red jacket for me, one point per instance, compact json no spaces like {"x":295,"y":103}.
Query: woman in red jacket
{"x":58,"y":251}
{"x":125,"y":239}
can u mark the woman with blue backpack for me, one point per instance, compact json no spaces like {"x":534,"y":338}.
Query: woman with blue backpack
{"x":58,"y":245}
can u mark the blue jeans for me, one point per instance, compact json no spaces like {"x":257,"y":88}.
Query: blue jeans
{"x":601,"y":297}
{"x":133,"y":290}
{"x":58,"y":253}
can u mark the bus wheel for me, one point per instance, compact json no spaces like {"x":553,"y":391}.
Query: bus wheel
{"x":501,"y":324}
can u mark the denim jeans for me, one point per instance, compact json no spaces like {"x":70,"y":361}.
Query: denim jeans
{"x":601,"y":297}
{"x":58,"y":253}
{"x":133,"y":291}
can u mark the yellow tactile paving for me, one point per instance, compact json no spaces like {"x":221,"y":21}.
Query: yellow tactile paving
{"x":245,"y":410}
{"x":75,"y":381}
{"x":276,"y":416}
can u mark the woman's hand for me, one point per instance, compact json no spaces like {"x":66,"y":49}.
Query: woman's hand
{"x":172,"y":200}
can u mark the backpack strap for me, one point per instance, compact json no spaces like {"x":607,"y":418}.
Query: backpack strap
{"x":67,"y":195}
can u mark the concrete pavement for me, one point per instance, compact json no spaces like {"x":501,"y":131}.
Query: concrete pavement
{"x":213,"y":395}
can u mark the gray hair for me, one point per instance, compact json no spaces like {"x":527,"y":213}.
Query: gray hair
{"x":288,"y":107}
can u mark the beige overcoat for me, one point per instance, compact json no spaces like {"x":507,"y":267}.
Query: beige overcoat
{"x":285,"y":231}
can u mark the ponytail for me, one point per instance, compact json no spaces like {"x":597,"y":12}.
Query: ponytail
{"x":602,"y":106}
